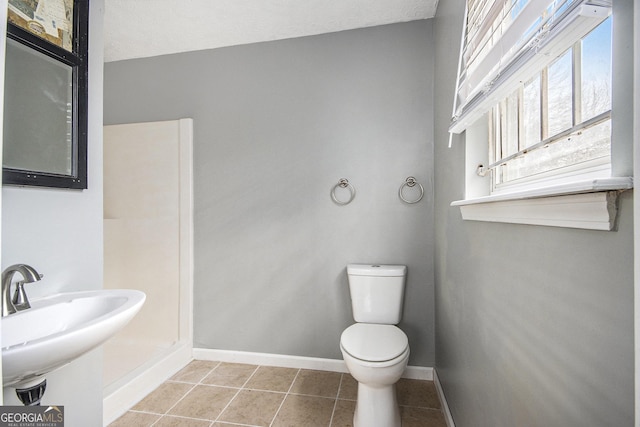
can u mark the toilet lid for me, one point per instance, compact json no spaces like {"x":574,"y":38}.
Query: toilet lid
{"x":374,"y":343}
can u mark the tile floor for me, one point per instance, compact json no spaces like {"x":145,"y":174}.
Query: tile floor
{"x":218,"y":394}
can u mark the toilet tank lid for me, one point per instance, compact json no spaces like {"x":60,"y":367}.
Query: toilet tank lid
{"x":376,"y":270}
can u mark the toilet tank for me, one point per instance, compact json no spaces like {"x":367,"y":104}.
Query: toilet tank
{"x":377,"y":292}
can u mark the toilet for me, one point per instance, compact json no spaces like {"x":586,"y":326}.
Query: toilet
{"x":376,"y":351}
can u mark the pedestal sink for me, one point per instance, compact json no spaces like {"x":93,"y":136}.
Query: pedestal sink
{"x":60,"y":328}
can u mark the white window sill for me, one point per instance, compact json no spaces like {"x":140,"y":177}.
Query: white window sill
{"x":587,"y":204}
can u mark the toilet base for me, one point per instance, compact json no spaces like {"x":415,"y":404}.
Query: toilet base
{"x":377,"y":407}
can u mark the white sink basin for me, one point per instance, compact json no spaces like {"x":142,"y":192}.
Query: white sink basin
{"x":60,"y":328}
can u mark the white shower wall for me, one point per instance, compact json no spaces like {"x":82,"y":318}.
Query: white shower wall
{"x":147,"y":241}
{"x":141,"y":228}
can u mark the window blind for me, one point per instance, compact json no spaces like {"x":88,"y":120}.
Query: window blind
{"x":506,"y":42}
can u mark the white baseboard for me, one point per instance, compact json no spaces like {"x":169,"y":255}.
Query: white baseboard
{"x":298,"y":362}
{"x":119,"y":399}
{"x":445,"y":407}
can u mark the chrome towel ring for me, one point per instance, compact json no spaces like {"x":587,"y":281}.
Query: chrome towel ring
{"x":410,"y":182}
{"x":343,"y":183}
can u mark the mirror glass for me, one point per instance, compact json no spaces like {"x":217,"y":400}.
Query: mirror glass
{"x":38,"y":112}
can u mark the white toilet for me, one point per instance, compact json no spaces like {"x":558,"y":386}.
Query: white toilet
{"x":376,"y":351}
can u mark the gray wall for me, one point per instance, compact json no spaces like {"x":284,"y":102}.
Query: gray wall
{"x":534,"y":324}
{"x":276,"y":125}
{"x":59,"y":232}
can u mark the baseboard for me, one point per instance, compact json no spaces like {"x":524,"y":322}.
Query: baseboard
{"x":443,"y":400}
{"x":119,"y":399}
{"x":298,"y":362}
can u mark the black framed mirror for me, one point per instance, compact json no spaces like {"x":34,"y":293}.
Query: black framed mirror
{"x":45,"y":104}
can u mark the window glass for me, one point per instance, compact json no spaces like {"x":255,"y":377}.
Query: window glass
{"x":530,"y":127}
{"x":531,"y":112}
{"x":560,"y":95}
{"x":596,"y":71}
{"x":511,"y":120}
{"x":589,"y":145}
{"x":38,"y":112}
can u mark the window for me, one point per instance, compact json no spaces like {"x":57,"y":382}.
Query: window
{"x":45,"y":105}
{"x":534,"y":98}
{"x":558,"y":122}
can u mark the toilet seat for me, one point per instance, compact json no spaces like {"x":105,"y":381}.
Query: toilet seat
{"x":373,"y":342}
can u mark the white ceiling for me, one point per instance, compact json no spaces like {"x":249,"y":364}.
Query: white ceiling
{"x":141,"y":28}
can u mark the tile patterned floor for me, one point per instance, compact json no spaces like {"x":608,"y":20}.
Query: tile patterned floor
{"x":218,"y":394}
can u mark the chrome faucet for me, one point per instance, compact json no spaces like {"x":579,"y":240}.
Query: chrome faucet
{"x":20,"y":301}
